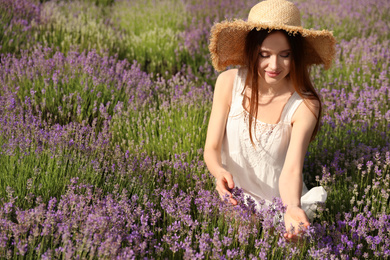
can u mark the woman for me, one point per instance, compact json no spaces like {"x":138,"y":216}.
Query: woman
{"x":266,"y":112}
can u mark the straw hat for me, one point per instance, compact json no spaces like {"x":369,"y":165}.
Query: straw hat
{"x":227,"y":40}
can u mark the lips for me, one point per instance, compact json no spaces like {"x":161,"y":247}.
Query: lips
{"x":272,"y":74}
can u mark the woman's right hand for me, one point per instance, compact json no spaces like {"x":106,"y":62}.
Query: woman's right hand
{"x":225,"y":184}
{"x":216,"y":132}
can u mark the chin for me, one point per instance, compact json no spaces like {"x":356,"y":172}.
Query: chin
{"x":273,"y":81}
{"x":276,"y":80}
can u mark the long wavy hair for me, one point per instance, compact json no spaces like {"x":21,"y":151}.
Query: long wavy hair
{"x":299,"y":73}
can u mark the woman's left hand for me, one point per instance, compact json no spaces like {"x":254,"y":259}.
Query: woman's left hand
{"x":296,"y":222}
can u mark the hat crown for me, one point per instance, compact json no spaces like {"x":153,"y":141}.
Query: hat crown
{"x":275,"y":12}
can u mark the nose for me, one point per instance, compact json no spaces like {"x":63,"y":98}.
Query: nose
{"x":273,"y":62}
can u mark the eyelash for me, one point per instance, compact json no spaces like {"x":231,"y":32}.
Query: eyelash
{"x":283,"y":56}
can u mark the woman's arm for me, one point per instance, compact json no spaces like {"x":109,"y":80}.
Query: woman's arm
{"x":216,"y":130}
{"x":290,"y":181}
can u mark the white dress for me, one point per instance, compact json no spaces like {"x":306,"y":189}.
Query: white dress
{"x":257,"y":169}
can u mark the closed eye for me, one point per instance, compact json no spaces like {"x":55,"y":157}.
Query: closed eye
{"x":264,"y":54}
{"x":285,"y":54}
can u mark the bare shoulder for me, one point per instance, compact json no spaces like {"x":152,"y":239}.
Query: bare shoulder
{"x":307,"y":111}
{"x":226,"y":79}
{"x":224,"y":84}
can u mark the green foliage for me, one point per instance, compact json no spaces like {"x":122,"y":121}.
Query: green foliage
{"x":78,"y":24}
{"x":150,"y":32}
{"x":162,"y":132}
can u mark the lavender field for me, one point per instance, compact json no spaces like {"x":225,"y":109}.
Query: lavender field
{"x":104,"y":106}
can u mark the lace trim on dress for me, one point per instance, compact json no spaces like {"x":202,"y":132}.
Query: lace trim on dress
{"x":259,"y":128}
{"x":262,"y":133}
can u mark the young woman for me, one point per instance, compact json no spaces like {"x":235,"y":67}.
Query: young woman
{"x":267,"y":111}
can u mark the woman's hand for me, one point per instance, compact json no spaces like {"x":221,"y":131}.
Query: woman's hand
{"x":296,"y":222}
{"x":224,"y":185}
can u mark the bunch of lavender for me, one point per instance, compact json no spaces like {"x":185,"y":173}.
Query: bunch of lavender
{"x":151,"y":32}
{"x":87,"y":26}
{"x":38,"y":158}
{"x":195,"y":37}
{"x":355,"y":112}
{"x":81,"y":24}
{"x":87,"y":87}
{"x":348,"y":19}
{"x":75,"y":87}
{"x":17,"y":23}
{"x":174,"y":124}
{"x":50,"y":125}
{"x":86,"y":223}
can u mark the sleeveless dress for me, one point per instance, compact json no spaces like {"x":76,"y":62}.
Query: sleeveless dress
{"x":257,"y":169}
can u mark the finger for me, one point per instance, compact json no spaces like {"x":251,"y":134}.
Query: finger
{"x":224,"y":193}
{"x":233,"y":201}
{"x":230,"y":182}
{"x":293,"y":238}
{"x":306,"y":225}
{"x":290,"y":237}
{"x":230,"y":198}
{"x":303,"y":226}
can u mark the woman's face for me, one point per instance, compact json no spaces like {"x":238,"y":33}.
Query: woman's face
{"x":275,"y":59}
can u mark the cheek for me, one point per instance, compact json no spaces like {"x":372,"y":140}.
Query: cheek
{"x":262,"y":64}
{"x":261,"y":68}
{"x":287,"y":64}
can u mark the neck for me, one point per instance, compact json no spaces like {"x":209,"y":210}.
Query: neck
{"x":280,"y":88}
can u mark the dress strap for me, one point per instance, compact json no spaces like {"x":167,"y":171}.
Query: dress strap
{"x":291,"y":106}
{"x":239,"y":83}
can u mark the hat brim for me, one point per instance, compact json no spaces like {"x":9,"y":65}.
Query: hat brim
{"x":227,"y":42}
